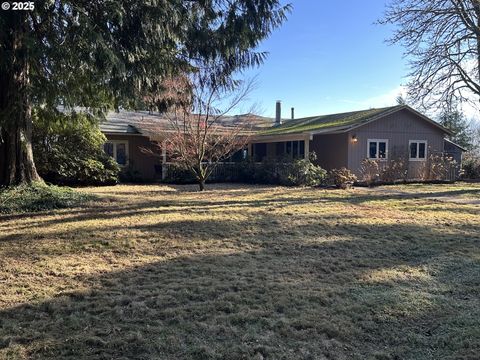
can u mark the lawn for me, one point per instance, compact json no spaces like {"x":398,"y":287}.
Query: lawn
{"x":244,"y":272}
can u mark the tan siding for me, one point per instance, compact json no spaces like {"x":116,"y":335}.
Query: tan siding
{"x":398,"y":128}
{"x":137,"y":161}
{"x":331,"y":150}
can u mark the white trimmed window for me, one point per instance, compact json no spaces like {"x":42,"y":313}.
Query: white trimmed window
{"x":377,"y":149}
{"x":417,"y":150}
{"x":118,"y":149}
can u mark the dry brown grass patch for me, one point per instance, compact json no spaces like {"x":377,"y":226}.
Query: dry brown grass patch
{"x":244,"y":272}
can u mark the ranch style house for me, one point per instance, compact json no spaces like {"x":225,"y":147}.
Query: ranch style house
{"x":338,"y":140}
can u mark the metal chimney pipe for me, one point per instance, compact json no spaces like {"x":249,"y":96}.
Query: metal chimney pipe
{"x":293,"y":113}
{"x":278,"y":113}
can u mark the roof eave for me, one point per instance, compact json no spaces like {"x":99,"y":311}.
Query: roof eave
{"x":122,"y":133}
{"x":285,"y":137}
{"x":455,"y":144}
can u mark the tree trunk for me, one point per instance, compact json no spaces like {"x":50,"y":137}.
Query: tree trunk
{"x":201,"y":185}
{"x":16,"y":157}
{"x":201,"y":175}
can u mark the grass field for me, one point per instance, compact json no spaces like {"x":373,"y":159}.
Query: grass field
{"x":244,"y":272}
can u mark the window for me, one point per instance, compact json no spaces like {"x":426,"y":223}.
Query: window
{"x":377,"y":149}
{"x":121,"y":153}
{"x":418,"y":150}
{"x":118,"y":150}
{"x":108,"y":148}
{"x":280,"y":149}
{"x":259,"y":151}
{"x":295,"y":149}
{"x":237,"y":156}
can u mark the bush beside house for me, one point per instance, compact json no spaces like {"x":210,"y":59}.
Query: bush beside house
{"x":471,"y":167}
{"x":70,"y":151}
{"x":285,"y":172}
{"x":305,"y":173}
{"x":342,"y":178}
{"x":437,"y":167}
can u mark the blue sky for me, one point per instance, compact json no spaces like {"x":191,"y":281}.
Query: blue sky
{"x":330,"y":57}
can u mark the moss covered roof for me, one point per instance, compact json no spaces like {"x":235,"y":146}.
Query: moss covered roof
{"x":334,"y":122}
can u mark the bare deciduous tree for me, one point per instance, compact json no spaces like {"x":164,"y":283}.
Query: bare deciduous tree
{"x":442,"y":39}
{"x":197,"y":134}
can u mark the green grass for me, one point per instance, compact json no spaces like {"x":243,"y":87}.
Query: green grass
{"x":245,"y":272}
{"x":37,"y":197}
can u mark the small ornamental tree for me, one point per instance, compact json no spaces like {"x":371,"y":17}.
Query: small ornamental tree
{"x":196,"y":136}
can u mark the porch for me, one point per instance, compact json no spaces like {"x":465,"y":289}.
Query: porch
{"x":295,"y":146}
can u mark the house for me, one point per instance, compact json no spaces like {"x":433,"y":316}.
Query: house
{"x":346,"y":139}
{"x":129,"y":141}
{"x":126,"y":141}
{"x":339,"y":140}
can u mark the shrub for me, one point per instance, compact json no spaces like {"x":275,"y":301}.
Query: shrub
{"x":69,"y":150}
{"x":101,"y":171}
{"x":281,"y":171}
{"x":305,"y":173}
{"x":395,"y":169}
{"x":270,"y":171}
{"x":370,"y":171}
{"x":342,"y":178}
{"x":275,"y":171}
{"x":471,"y":167}
{"x":176,"y":174}
{"x":245,"y":172}
{"x":38,"y":197}
{"x":130,"y":174}
{"x":438,"y":167}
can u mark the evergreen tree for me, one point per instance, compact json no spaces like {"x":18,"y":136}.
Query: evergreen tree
{"x":401,"y":100}
{"x":454,"y":120}
{"x":99,"y":54}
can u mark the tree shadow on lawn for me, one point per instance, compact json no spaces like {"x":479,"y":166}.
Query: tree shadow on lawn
{"x":119,"y":208}
{"x":218,"y":189}
{"x":253,"y":228}
{"x":355,"y":295}
{"x":153,"y":207}
{"x":379,"y":196}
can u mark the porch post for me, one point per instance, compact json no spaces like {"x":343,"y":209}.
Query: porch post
{"x":307,"y":146}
